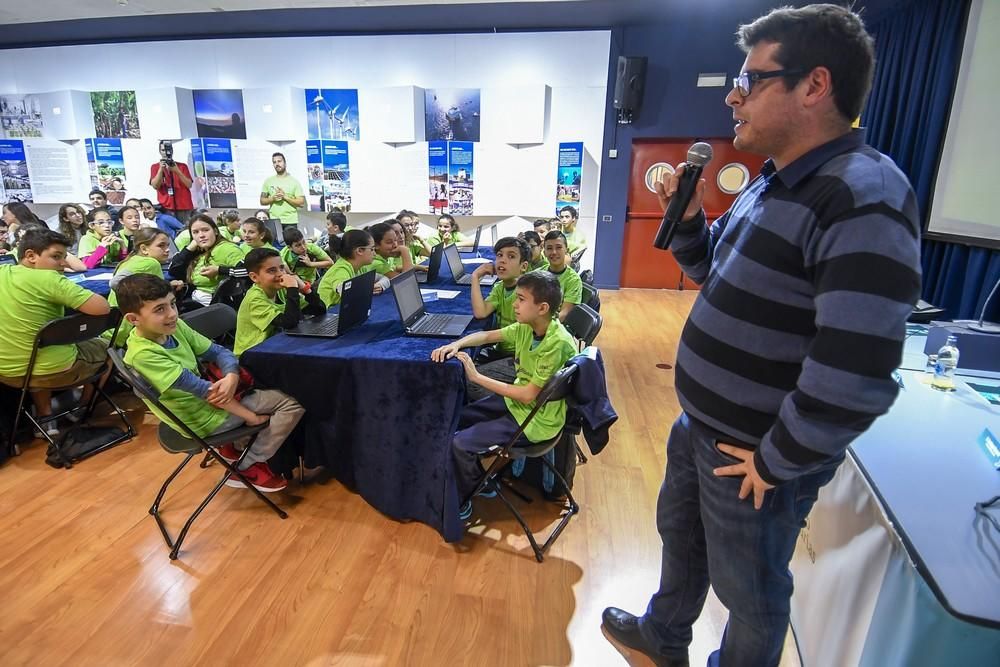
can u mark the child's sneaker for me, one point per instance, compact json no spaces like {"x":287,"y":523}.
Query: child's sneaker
{"x":261,"y":477}
{"x":465,"y":511}
{"x":229,"y":452}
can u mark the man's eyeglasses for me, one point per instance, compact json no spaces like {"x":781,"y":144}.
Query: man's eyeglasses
{"x":743,"y":83}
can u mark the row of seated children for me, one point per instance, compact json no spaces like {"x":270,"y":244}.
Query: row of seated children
{"x":566,"y":223}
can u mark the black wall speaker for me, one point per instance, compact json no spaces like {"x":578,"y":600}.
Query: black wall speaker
{"x":629,"y":85}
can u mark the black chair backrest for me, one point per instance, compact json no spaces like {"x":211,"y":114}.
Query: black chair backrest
{"x":140,"y":387}
{"x":277,"y":232}
{"x":8,"y":258}
{"x":77,"y":328}
{"x":591,"y":296}
{"x":584,"y":323}
{"x":212,"y":321}
{"x":558,"y":387}
{"x":231,"y":291}
{"x":587,"y":277}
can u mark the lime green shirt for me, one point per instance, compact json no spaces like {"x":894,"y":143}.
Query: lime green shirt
{"x":225,"y":253}
{"x":384,"y":265}
{"x":131,"y":266}
{"x":447,"y":239}
{"x":89,"y":243}
{"x":307,"y":273}
{"x":30,"y":299}
{"x":246,"y":248}
{"x":502,"y":299}
{"x":340,"y":271}
{"x":255,"y":321}
{"x":575,"y":241}
{"x":161,"y":366}
{"x":282,"y":210}
{"x":535,"y":364}
{"x":182,"y":239}
{"x":541,"y":265}
{"x":416,"y":250}
{"x":572,"y":286}
{"x":235,"y":237}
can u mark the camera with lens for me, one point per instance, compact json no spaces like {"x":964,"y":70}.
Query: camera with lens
{"x":168,"y":153}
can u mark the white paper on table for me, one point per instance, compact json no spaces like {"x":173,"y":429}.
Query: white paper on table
{"x":99,"y":276}
{"x":477,"y":260}
{"x":441,"y":293}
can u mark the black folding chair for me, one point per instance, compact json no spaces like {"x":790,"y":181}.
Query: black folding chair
{"x":557,"y":388}
{"x":190,"y":444}
{"x":231,"y":291}
{"x":8,"y":258}
{"x":591,"y":296}
{"x":70,"y":330}
{"x":574,"y":259}
{"x":584,"y":323}
{"x":215,"y":322}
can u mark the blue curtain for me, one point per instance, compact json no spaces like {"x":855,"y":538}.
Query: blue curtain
{"x":918,"y":48}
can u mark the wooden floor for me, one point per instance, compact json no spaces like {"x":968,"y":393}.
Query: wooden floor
{"x":86,"y":579}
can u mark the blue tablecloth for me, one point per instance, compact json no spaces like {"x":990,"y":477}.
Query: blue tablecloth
{"x":380,"y":415}
{"x":86,"y":280}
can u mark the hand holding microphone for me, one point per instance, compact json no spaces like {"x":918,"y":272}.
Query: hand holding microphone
{"x":681,"y":193}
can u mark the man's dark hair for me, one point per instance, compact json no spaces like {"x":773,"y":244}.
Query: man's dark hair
{"x":822,"y":35}
{"x":256,"y":257}
{"x":513,"y":242}
{"x":134,"y":290}
{"x":544,"y":288}
{"x":98,"y":191}
{"x":291,"y":234}
{"x":554,"y":235}
{"x":338,"y":218}
{"x":569,"y":209}
{"x":532,"y":237}
{"x":278,"y":153}
{"x":39,"y":239}
{"x":541,"y":222}
{"x":145,"y":201}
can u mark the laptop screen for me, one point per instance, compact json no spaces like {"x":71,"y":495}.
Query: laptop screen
{"x":407,"y":292}
{"x":454,"y":261}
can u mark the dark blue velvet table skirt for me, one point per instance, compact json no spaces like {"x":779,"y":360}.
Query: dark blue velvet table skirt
{"x":380,"y":415}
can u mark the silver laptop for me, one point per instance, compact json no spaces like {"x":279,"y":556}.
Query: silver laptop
{"x":458,"y":269}
{"x":433,"y":266}
{"x":416,"y":320}
{"x":355,"y":307}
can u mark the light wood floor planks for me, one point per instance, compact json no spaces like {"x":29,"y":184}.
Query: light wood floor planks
{"x":86,"y":579}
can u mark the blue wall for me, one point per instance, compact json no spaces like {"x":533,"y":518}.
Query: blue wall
{"x":673,"y":107}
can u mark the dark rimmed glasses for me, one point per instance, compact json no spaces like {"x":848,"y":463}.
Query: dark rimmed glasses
{"x":743,"y":83}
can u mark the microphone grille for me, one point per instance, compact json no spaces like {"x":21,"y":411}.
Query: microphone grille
{"x":699,"y":154}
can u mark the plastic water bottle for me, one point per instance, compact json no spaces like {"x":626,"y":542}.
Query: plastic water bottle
{"x":944,"y":371}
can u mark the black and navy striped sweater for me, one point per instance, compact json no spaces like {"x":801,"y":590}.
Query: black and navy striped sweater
{"x":807,"y":282}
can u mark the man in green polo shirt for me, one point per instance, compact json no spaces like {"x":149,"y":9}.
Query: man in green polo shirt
{"x":282,"y":194}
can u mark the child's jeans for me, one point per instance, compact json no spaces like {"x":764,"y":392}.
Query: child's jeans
{"x":285,"y":412}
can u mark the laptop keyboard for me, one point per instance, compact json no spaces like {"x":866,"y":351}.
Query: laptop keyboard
{"x":435,"y":322}
{"x":327,"y":326}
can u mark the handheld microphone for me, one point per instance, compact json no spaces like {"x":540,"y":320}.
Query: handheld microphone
{"x":698,"y":156}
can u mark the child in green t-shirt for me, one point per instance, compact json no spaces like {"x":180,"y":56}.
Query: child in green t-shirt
{"x":354,"y":250}
{"x":276,"y":301}
{"x":569,"y":280}
{"x":575,"y":240}
{"x":166,"y":352}
{"x":229,"y":224}
{"x":206,"y":260}
{"x":256,"y":235}
{"x":303,"y":258}
{"x":542,"y":346}
{"x":100,"y":246}
{"x":537,"y":262}
{"x":447,"y":233}
{"x":411,"y":235}
{"x":33,"y":293}
{"x":391,"y":257}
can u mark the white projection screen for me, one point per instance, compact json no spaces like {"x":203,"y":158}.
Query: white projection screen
{"x":968,"y":177}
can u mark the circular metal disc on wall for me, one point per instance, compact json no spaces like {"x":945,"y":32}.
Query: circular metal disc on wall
{"x":656,"y":173}
{"x":733,"y":178}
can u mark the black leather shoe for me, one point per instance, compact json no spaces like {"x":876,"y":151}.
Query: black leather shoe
{"x":622,"y":630}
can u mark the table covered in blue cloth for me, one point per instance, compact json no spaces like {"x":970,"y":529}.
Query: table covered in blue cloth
{"x":380,"y":415}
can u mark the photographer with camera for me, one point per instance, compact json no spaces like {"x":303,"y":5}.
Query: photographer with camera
{"x":172,"y":182}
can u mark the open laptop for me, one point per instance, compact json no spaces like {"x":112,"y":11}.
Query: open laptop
{"x":277,"y":231}
{"x":355,"y":307}
{"x":458,"y":269}
{"x":479,"y":234}
{"x":433,"y":266}
{"x":416,"y":320}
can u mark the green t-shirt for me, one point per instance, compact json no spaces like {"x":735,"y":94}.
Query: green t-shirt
{"x":384,"y":265}
{"x":282,"y":210}
{"x":30,"y":299}
{"x":307,"y":273}
{"x":536,"y":365}
{"x":246,"y":248}
{"x":416,"y":248}
{"x":89,"y":243}
{"x":447,"y":239}
{"x":130,"y":267}
{"x":575,"y":241}
{"x":254,"y":323}
{"x":235,"y":237}
{"x":161,"y":366}
{"x":541,"y":265}
{"x":182,"y":239}
{"x":572,"y":286}
{"x":224,"y":253}
{"x":503,"y":304}
{"x":340,"y":271}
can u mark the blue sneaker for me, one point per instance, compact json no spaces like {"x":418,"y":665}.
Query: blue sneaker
{"x":488,"y":492}
{"x":465,"y":511}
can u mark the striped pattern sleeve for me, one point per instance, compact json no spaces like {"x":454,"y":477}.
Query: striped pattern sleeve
{"x":694,"y":244}
{"x":864,"y":264}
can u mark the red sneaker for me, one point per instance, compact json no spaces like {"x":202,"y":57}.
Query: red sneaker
{"x":261,"y":477}
{"x":229,"y":452}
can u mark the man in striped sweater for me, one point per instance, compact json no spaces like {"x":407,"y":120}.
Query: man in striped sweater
{"x":787,"y":355}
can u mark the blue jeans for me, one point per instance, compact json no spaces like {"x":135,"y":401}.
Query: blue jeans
{"x":711,"y":536}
